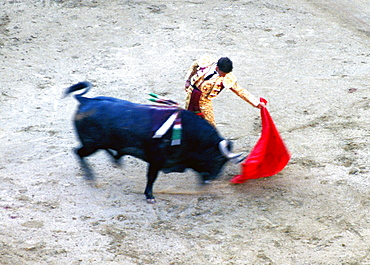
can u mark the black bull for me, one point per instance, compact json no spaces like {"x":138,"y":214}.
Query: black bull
{"x":124,"y":128}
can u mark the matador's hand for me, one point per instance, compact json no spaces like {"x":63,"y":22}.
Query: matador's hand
{"x":187,"y":84}
{"x":261,"y":105}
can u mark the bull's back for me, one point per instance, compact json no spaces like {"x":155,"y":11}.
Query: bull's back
{"x":106,"y":119}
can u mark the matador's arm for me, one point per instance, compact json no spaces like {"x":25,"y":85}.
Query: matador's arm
{"x":245,"y":95}
{"x":192,"y":70}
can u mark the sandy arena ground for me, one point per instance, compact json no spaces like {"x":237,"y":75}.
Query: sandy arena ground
{"x":311,"y":61}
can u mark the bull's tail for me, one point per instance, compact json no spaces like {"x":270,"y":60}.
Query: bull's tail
{"x":81,"y":85}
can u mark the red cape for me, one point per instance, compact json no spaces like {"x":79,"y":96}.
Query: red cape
{"x":269,"y":156}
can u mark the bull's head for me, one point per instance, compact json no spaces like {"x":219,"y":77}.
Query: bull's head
{"x":209,"y":171}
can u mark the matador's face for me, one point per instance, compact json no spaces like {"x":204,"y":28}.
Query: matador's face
{"x":220,"y":73}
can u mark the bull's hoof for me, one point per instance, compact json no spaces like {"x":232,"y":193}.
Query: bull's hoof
{"x":151,"y":201}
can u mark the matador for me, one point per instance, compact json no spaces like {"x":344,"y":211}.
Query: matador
{"x":205,"y":79}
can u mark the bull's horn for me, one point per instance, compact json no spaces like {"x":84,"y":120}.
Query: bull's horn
{"x":226,"y":152}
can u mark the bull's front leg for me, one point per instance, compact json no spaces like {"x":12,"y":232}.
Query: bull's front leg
{"x":151,"y":177}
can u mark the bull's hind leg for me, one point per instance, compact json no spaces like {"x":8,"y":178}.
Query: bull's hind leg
{"x":83,"y":152}
{"x":151,"y":177}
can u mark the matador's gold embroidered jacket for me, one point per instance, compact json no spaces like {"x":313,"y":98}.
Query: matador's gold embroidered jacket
{"x":198,"y":72}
